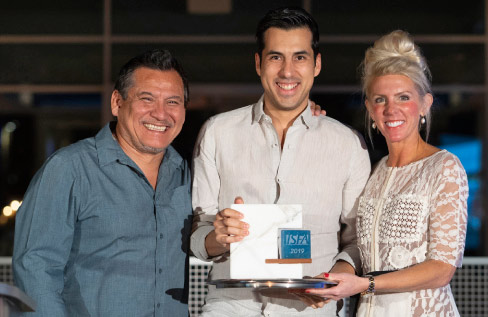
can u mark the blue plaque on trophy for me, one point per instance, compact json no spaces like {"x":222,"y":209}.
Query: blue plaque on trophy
{"x":294,"y":244}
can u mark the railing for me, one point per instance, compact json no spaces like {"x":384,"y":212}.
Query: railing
{"x":469,"y":285}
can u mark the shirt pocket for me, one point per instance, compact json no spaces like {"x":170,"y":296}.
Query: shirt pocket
{"x":180,"y":202}
{"x":403,"y":219}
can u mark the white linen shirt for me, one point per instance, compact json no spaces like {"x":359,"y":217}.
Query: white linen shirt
{"x":323,"y":166}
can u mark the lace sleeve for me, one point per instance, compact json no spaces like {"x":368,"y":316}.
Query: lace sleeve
{"x":448,"y":213}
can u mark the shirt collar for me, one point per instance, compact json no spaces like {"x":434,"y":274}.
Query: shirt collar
{"x":306,"y":117}
{"x":258,"y":111}
{"x":108,"y":149}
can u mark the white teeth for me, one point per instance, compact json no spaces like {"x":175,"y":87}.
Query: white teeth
{"x":155,"y":127}
{"x":287,"y":86}
{"x":393,"y":124}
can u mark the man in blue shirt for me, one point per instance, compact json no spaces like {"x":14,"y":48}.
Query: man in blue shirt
{"x":104,"y":225}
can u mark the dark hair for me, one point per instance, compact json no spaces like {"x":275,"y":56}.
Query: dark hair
{"x":287,"y":19}
{"x":155,"y":59}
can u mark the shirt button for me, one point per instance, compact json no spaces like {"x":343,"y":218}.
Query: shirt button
{"x":160,"y":271}
{"x":160,"y":236}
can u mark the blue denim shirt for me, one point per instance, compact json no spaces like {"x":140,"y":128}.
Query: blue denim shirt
{"x":93,"y":238}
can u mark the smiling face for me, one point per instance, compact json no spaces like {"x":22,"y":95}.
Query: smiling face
{"x":287,"y":68}
{"x":395,"y":105}
{"x":153,"y":113}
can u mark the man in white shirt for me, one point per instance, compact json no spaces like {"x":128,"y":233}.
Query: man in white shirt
{"x":277,"y":152}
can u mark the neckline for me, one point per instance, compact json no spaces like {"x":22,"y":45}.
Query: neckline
{"x":385,"y":159}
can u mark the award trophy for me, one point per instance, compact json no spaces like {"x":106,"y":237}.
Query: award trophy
{"x":274,"y":252}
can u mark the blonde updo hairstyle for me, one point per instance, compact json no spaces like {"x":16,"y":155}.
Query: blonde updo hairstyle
{"x":396,"y":54}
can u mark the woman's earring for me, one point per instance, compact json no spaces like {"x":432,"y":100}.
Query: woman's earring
{"x":422,"y":119}
{"x":373,"y":125}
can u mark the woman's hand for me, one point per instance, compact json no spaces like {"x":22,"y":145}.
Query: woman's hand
{"x":311,"y":300}
{"x":347,"y":285}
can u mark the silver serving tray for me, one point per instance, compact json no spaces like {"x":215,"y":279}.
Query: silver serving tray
{"x":272,"y":283}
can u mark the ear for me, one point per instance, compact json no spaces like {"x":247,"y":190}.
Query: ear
{"x":257,"y":62}
{"x":428,"y":100}
{"x":318,"y":65}
{"x":115,"y":102}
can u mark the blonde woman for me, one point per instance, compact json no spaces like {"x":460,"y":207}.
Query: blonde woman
{"x":412,"y":215}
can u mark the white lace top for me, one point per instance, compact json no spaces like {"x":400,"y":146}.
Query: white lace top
{"x":407,"y":215}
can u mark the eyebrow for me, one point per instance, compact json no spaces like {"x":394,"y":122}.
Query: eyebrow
{"x":274,"y":53}
{"x":145,"y":93}
{"x":174,"y":97}
{"x":404,"y":92}
{"x":152,"y":95}
{"x":396,"y":94}
{"x":294,"y":53}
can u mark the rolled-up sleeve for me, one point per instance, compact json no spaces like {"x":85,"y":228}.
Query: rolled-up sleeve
{"x":205,"y":191}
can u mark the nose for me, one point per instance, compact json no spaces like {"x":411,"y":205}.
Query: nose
{"x":286,"y":70}
{"x":159,"y":111}
{"x":390,"y":107}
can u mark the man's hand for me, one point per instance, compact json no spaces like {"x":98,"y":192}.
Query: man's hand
{"x":316,"y":109}
{"x":228,"y":226}
{"x":228,"y":229}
